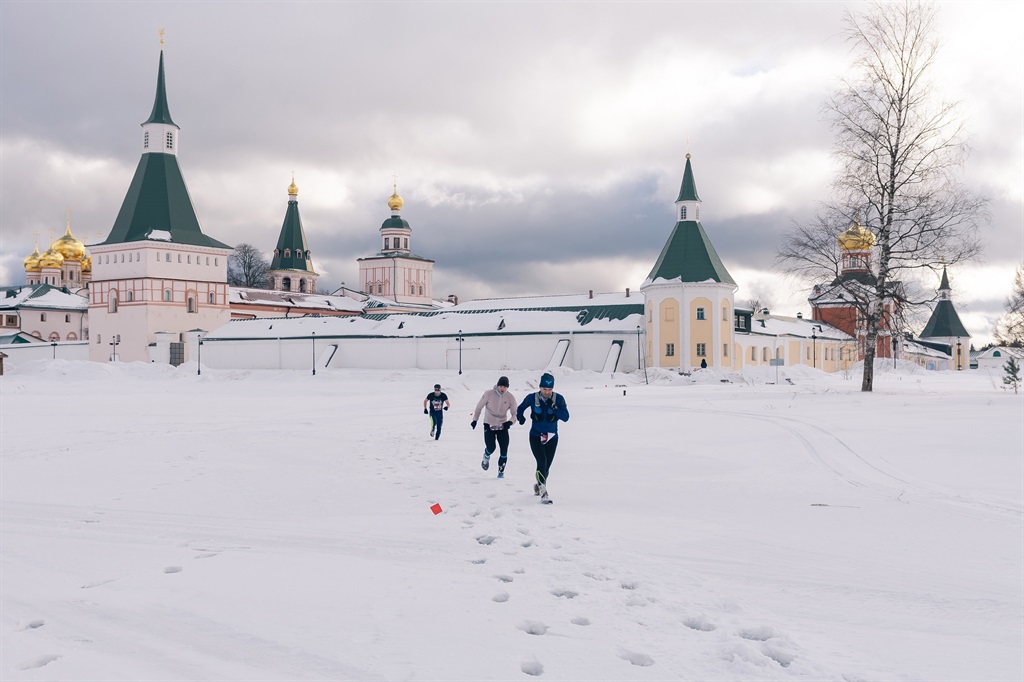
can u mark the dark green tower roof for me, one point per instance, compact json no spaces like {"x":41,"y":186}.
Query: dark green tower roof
{"x":944,"y":322}
{"x":158,"y":200}
{"x":292,"y":241}
{"x":690,"y":256}
{"x":688,"y":190}
{"x":395,"y":222}
{"x":161,"y":112}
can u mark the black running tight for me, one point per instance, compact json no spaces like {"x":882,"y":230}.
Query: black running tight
{"x":544,"y":453}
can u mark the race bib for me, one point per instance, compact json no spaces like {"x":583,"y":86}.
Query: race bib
{"x":437,"y":405}
{"x":545,"y":437}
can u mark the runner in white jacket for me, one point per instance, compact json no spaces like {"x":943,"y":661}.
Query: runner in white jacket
{"x":499,"y":408}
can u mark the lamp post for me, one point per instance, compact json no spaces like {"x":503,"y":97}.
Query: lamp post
{"x":894,"y":342}
{"x":312,"y":337}
{"x":54,"y":344}
{"x":959,"y":364}
{"x":113,"y":348}
{"x":199,"y":359}
{"x":460,"y":339}
{"x":814,"y":348}
{"x":638,"y":363}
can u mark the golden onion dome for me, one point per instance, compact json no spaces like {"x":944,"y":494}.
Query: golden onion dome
{"x":52,"y":258}
{"x":69,"y":246}
{"x":856,"y":238}
{"x":395,"y":202}
{"x":32,"y":261}
{"x":293,"y":189}
{"x":87,"y":264}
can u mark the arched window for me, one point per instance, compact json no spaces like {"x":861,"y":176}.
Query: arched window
{"x":213,"y":298}
{"x":129,"y":296}
{"x":277,"y":253}
{"x":753,"y":354}
{"x":54,"y":336}
{"x":190,"y":260}
{"x":380,"y":288}
{"x":406,"y":240}
{"x":298,"y":253}
{"x":168,"y":258}
{"x":286,"y":283}
{"x":112,"y":303}
{"x":287,"y":253}
{"x":167,"y":294}
{"x":387,"y":243}
{"x":67,"y":318}
{"x":421,"y":290}
{"x":764,"y":355}
{"x":302,"y":286}
{"x":179,"y":257}
{"x":191,"y":304}
{"x":682,"y":213}
{"x":72,"y":336}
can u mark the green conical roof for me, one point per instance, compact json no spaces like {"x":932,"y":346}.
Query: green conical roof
{"x":161,"y":112}
{"x":688,"y":190}
{"x":690,"y":256}
{"x":944,"y":284}
{"x":292,"y":239}
{"x":158,"y":200}
{"x":944,"y":322}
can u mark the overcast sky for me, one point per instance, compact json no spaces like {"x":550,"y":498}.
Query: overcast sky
{"x":539,"y":146}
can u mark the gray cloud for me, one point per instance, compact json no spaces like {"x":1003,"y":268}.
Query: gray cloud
{"x":539,"y":146}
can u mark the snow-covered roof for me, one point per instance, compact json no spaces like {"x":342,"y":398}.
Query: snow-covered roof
{"x":446,"y":323}
{"x":779,"y":325}
{"x":42,"y":296}
{"x":575,"y":301}
{"x":291,"y":299}
{"x":915,"y":348}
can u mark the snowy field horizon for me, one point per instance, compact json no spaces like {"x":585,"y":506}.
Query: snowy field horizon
{"x":273,"y":525}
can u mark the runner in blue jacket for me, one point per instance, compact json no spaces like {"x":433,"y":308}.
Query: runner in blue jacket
{"x":546,"y":408}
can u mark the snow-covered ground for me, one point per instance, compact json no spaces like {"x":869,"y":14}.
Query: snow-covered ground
{"x":258,"y":525}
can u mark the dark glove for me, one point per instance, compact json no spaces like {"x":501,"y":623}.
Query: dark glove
{"x":472,"y":424}
{"x":549,"y":403}
{"x":446,"y":408}
{"x":522,"y":420}
{"x":507,"y":425}
{"x":426,"y":411}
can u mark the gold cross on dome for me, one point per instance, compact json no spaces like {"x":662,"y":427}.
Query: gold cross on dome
{"x":161,"y":39}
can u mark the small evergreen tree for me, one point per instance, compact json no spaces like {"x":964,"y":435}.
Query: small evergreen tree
{"x":1012,"y":369}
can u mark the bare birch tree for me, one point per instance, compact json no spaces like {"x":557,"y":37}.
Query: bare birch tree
{"x":247,"y":267}
{"x":900,"y":153}
{"x":1010,"y":328}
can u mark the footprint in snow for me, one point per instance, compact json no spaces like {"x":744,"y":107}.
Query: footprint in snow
{"x":759,"y":634}
{"x":532,"y":627}
{"x":478,"y":561}
{"x":580,"y":620}
{"x":486,"y":539}
{"x":629,"y":585}
{"x":173,"y":569}
{"x":89,"y":586}
{"x":34,"y":624}
{"x":699,"y":623}
{"x":526,"y":543}
{"x":37,"y":662}
{"x":635,"y":658}
{"x":205,"y":555}
{"x":504,"y":578}
{"x":568,"y":594}
{"x":501,"y":597}
{"x":534,"y":668}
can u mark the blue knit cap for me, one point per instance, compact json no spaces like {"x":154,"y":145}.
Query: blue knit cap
{"x":547,"y":381}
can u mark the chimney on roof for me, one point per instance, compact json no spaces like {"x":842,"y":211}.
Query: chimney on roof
{"x":627,"y":292}
{"x":799,"y":316}
{"x":591,"y":294}
{"x":453,"y":299}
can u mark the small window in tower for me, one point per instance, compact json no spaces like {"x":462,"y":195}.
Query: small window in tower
{"x":191,"y":304}
{"x":170,"y":140}
{"x":670,"y":350}
{"x":697,"y":217}
{"x":112,"y":303}
{"x":287,"y":253}
{"x":387,"y":243}
{"x":179,"y":257}
{"x":406,"y":240}
{"x":190,"y":260}
{"x":421,"y":290}
{"x":700,"y":313}
{"x":213,"y":298}
{"x":725,"y":350}
{"x":682,"y":213}
{"x":167,"y":294}
{"x":277,"y":253}
{"x":298,"y":253}
{"x":42,"y":317}
{"x":167,"y":257}
{"x":753,"y":354}
{"x":129,"y":296}
{"x":67,"y":318}
{"x":145,"y":140}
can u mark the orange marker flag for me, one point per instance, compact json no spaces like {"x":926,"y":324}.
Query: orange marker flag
{"x":436,"y":508}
